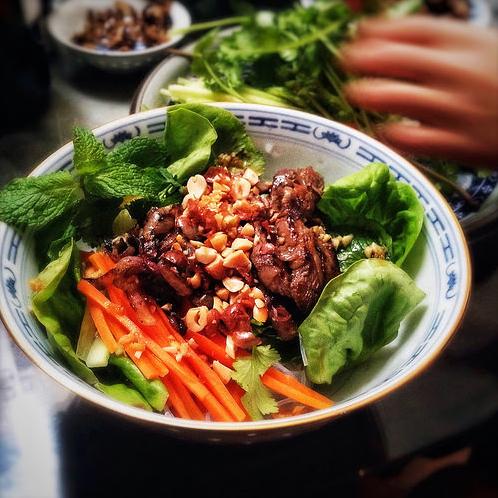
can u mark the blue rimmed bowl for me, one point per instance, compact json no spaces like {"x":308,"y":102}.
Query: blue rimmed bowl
{"x":439,"y":263}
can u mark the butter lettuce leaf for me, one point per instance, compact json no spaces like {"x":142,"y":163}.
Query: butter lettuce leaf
{"x":232,"y":135}
{"x":357,"y":313}
{"x":373,"y":201}
{"x":59,"y":310}
{"x":189,"y":138}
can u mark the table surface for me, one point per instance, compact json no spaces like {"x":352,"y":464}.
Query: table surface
{"x":66,"y":446}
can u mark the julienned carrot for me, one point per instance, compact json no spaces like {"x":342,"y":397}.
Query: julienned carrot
{"x":293,"y":393}
{"x":149,"y":369}
{"x":174,"y":400}
{"x":156,"y":362}
{"x":210,"y":377}
{"x":217,"y":387}
{"x":102,"y":327}
{"x":237,"y":392}
{"x":293,"y":382}
{"x":92,"y":293}
{"x":211,"y":349}
{"x":119,"y":297}
{"x":193,"y":410}
{"x":101,"y":261}
{"x":194,"y":385}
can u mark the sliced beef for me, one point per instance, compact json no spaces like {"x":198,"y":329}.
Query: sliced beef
{"x":290,"y":258}
{"x":296,"y":191}
{"x":292,"y":261}
{"x":282,"y":321}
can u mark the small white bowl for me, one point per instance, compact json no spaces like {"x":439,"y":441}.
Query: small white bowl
{"x":439,"y":263}
{"x":69,"y":18}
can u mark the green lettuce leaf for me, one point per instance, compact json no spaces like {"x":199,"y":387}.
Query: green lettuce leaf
{"x":232,"y":136}
{"x":357,"y":313}
{"x":355,"y":251}
{"x":59,"y":310}
{"x":258,"y":400}
{"x":189,"y":138}
{"x":372,"y":201}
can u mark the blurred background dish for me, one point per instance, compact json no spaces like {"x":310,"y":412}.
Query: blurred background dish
{"x":117,"y":36}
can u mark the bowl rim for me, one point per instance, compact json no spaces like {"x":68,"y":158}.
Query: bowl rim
{"x":116,"y":53}
{"x":252,"y":428}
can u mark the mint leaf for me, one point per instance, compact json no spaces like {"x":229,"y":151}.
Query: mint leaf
{"x":125,"y":179}
{"x":248,"y":371}
{"x":34,"y":202}
{"x":141,"y":151}
{"x":89,"y":152}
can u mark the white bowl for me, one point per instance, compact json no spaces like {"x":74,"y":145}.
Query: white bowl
{"x":69,"y":18}
{"x":439,"y":263}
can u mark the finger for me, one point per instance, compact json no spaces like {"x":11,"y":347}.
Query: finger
{"x":427,"y":141}
{"x":429,"y":105}
{"x":404,"y":61}
{"x":424,"y":30}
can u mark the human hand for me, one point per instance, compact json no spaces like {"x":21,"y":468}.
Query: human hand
{"x":441,"y":74}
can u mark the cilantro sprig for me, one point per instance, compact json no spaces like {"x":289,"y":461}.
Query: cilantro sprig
{"x":257,"y":400}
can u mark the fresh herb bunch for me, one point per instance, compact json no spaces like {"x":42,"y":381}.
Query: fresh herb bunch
{"x":286,"y":59}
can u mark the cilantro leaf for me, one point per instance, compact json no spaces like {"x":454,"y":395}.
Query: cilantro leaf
{"x":89,"y":153}
{"x":34,"y":202}
{"x":141,"y":151}
{"x":248,"y":371}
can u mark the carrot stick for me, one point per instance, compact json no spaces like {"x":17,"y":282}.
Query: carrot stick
{"x":144,"y":363}
{"x":293,"y":393}
{"x":210,"y":377}
{"x":217,"y":387}
{"x":118,"y":296}
{"x":195,"y":386}
{"x":237,"y":392}
{"x":90,"y":292}
{"x":101,"y":261}
{"x":192,"y":408}
{"x":156,"y":362}
{"x":174,"y":400}
{"x":102,"y":328}
{"x":293,"y":382}
{"x":211,"y":349}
